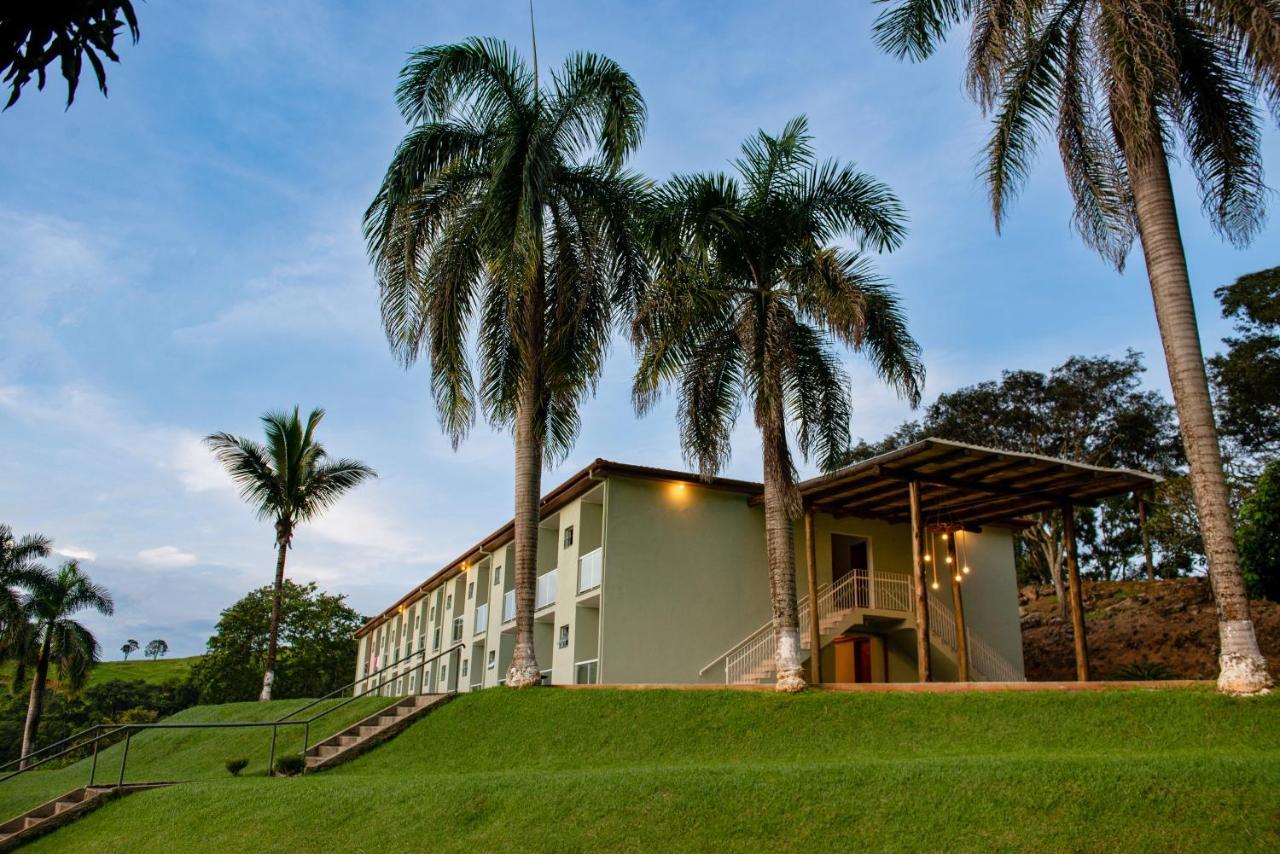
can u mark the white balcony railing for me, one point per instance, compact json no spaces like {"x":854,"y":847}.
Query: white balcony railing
{"x":482,"y":618}
{"x":589,"y":566}
{"x":546,"y":593}
{"x":586,"y":672}
{"x":508,"y":606}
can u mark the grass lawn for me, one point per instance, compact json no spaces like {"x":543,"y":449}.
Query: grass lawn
{"x":186,"y":754}
{"x":144,"y":669}
{"x":1170,"y":769}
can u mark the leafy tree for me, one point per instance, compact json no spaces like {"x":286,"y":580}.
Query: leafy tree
{"x":749,"y":295}
{"x":56,"y":638}
{"x":155,"y":649}
{"x":1088,"y":409}
{"x":34,"y":34}
{"x":290,"y":480}
{"x":1259,"y":535}
{"x":129,"y":646}
{"x":317,"y":645}
{"x":1120,"y":83}
{"x":1246,"y":378}
{"x":505,"y":218}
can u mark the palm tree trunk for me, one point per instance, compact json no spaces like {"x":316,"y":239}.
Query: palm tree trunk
{"x":35,"y":705}
{"x":780,"y":505}
{"x":273,"y":633}
{"x":523,"y":671}
{"x":1242,"y":669}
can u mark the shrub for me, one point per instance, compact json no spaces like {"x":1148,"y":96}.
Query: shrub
{"x":235,"y":766}
{"x":290,"y":765}
{"x":1144,"y":671}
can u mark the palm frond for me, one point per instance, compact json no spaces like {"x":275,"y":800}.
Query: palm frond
{"x":913,"y":29}
{"x":250,"y":467}
{"x":480,"y":75}
{"x":595,"y":104}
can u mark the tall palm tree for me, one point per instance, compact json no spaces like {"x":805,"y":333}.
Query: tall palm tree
{"x":748,"y":297}
{"x":1119,"y":82}
{"x":505,"y":211}
{"x":290,"y":480}
{"x":56,"y":638}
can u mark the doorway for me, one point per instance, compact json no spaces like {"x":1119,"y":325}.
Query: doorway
{"x":853,"y":658}
{"x":851,"y":556}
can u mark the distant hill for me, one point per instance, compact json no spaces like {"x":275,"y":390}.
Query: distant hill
{"x":143,"y":669}
{"x":1173,"y":624}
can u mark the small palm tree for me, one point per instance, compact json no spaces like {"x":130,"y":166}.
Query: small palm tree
{"x":289,"y":480}
{"x":55,"y":638}
{"x":1120,"y":82}
{"x":748,"y":294}
{"x":130,"y":646}
{"x":17,"y":562}
{"x":505,"y":207}
{"x":155,"y":649}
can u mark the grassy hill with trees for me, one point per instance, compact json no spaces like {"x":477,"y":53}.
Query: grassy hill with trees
{"x":1181,"y":769}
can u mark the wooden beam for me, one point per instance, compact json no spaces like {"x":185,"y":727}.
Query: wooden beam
{"x":815,"y":631}
{"x":975,"y":485}
{"x":957,"y":602}
{"x":924,"y":664}
{"x":1074,"y":594}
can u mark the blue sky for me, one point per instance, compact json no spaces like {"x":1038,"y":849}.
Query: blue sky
{"x":186,"y":254}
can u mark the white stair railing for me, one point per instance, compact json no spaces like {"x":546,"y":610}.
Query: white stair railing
{"x":986,"y":663}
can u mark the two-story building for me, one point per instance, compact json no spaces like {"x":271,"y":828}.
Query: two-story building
{"x":647,"y":575}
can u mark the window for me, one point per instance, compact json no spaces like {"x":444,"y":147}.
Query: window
{"x":448,"y":602}
{"x":493,"y":659}
{"x":564,"y":636}
{"x":568,"y":536}
{"x":413,"y":682}
{"x":497,"y":575}
{"x":464,"y":667}
{"x":435,"y":640}
{"x":471,"y":590}
{"x":433,"y":612}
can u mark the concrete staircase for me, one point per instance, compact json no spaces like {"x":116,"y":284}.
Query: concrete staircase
{"x":371,"y":731}
{"x":62,"y":809}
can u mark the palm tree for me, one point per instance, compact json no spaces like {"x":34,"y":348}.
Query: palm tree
{"x":289,"y":480}
{"x":748,"y":295}
{"x":506,"y":209}
{"x":1120,"y":82}
{"x":17,"y":563}
{"x":56,"y":638}
{"x":130,"y":645}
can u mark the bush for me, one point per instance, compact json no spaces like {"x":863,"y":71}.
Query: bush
{"x":1144,"y":671}
{"x":290,"y":765}
{"x":235,"y":766}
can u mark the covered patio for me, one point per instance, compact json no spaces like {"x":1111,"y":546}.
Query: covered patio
{"x":945,"y":487}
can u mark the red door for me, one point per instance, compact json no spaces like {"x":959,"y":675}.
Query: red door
{"x":862,"y":660}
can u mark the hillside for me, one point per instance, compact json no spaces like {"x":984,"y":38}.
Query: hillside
{"x":1171,"y":623}
{"x":141,"y":669}
{"x":557,"y":769}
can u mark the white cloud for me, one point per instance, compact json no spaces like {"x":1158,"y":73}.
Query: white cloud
{"x":196,"y":467}
{"x":166,"y":557}
{"x":75,"y":553}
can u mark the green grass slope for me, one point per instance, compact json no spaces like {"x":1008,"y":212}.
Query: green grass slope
{"x":628,"y":770}
{"x":144,"y":669}
{"x":187,"y":754}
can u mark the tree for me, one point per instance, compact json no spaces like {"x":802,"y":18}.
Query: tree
{"x":748,"y":296}
{"x":1259,"y":535}
{"x":58,"y":639}
{"x":155,"y":649}
{"x":35,"y":34}
{"x":1120,"y":82}
{"x":17,"y":567}
{"x":290,"y":480}
{"x":505,"y":213}
{"x":130,"y":645}
{"x":1246,"y":378}
{"x":1090,"y":410}
{"x":317,"y":633}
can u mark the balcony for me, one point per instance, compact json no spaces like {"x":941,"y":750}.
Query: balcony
{"x":589,"y":566}
{"x":508,"y":606}
{"x":546,"y":592}
{"x":482,"y":619}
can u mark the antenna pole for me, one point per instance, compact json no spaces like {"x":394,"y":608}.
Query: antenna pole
{"x":533,"y":36}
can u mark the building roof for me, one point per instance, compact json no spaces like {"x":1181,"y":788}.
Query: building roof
{"x":964,"y":484}
{"x":959,"y":485}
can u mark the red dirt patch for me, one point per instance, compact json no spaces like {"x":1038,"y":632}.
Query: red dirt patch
{"x":1171,"y":623}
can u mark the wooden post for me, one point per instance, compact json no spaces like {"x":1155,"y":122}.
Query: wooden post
{"x":924,"y":663}
{"x":815,"y":632}
{"x":957,"y":601}
{"x":1074,"y":594}
{"x":1146,"y":537}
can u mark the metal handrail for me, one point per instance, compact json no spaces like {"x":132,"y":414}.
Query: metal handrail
{"x":40,"y":750}
{"x":750,"y":637}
